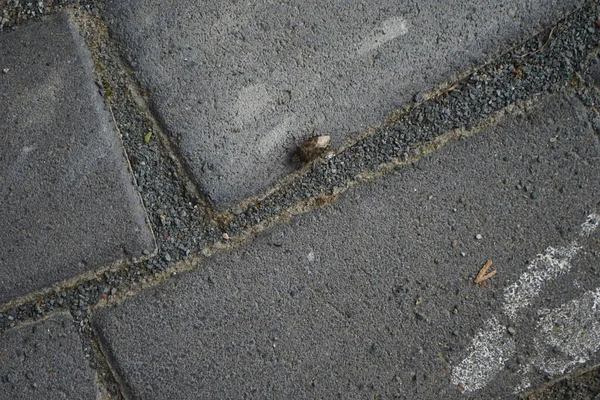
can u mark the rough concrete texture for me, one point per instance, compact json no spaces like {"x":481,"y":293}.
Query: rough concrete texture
{"x":68,"y":201}
{"x":239,"y":86}
{"x":44,"y":360}
{"x":374,"y":295}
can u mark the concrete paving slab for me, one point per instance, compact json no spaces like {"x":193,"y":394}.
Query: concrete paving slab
{"x":239,"y":86}
{"x":44,"y":360}
{"x":374,"y":295}
{"x":68,"y":201}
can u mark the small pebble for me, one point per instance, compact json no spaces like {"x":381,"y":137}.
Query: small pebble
{"x":478,"y":236}
{"x":512,"y":331}
{"x":462,"y":253}
{"x":5,"y":70}
{"x":225,"y":236}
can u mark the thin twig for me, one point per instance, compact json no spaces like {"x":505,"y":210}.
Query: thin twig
{"x":483,"y":275}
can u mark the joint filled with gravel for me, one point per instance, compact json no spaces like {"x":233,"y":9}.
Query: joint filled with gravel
{"x":182,"y":223}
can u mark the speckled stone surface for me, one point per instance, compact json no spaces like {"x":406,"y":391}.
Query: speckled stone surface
{"x":374,"y":295}
{"x":45,"y":360}
{"x":68,"y":200}
{"x":239,"y":85}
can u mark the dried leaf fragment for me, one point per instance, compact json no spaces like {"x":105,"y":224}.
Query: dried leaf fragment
{"x":483,"y":275}
{"x":312,"y":147}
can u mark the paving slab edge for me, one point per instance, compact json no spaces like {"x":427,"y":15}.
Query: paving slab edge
{"x":319,"y":201}
{"x":532,"y":393}
{"x":304,"y":204}
{"x":140,"y":282}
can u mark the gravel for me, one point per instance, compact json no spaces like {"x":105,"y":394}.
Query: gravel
{"x":185,"y":225}
{"x":361,"y":272}
{"x":583,"y":384}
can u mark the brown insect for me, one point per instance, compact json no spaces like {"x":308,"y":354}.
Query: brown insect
{"x":312,"y":148}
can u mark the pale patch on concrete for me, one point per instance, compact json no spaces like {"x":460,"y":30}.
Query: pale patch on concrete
{"x":572,"y":330}
{"x":27,"y":149}
{"x":546,"y":267}
{"x":82,"y":167}
{"x":490,"y":349}
{"x":276,"y":137}
{"x":390,"y":29}
{"x":15,"y":170}
{"x":590,"y":225}
{"x":251,"y":101}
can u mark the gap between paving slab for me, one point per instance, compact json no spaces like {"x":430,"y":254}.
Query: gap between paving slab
{"x":66,"y":186}
{"x":238,"y":86}
{"x":16,"y":12}
{"x":335,"y":302}
{"x":95,"y":289}
{"x":543,"y":69}
{"x":539,"y":77}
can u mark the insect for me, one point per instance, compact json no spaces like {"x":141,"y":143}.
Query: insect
{"x":312,"y":148}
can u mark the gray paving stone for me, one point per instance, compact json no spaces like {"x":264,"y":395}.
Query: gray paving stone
{"x":68,"y":203}
{"x":374,"y":295}
{"x":239,"y":86}
{"x":45,"y":360}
